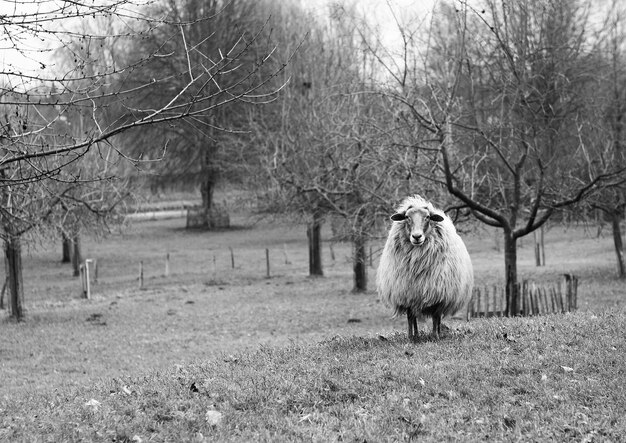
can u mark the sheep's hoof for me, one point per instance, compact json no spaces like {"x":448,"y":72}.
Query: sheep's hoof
{"x":415,"y":337}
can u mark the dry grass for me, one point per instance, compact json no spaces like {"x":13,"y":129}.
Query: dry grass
{"x":555,"y":378}
{"x":205,"y":311}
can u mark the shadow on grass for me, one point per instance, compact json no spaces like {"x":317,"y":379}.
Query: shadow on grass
{"x":397,"y":340}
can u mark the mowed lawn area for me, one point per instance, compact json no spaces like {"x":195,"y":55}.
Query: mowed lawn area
{"x":216,"y":352}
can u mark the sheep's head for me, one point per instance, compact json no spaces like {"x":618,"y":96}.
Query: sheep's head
{"x":417,"y":222}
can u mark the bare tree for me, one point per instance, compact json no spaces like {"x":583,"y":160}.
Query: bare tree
{"x":200,"y":93}
{"x":502,"y":93}
{"x":40,"y":153}
{"x":611,"y":104}
{"x":331,"y":154}
{"x":235,"y":38}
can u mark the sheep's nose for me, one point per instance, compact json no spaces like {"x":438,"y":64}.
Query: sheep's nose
{"x":417,"y":238}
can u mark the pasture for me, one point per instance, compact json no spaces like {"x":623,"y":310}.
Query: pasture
{"x":220,"y":353}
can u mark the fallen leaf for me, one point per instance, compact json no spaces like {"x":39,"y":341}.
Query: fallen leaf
{"x":507,"y":338}
{"x":213,"y":417}
{"x":544,"y":378}
{"x":306,"y":417}
{"x":421,"y":381}
{"x":126,"y":390}
{"x":136,"y":438}
{"x":567,"y":369}
{"x":93,"y":404}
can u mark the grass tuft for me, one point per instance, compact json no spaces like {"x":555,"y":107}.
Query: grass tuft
{"x":558,"y":377}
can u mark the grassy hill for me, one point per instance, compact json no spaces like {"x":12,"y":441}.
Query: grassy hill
{"x":559,"y":378}
{"x":213,"y":352}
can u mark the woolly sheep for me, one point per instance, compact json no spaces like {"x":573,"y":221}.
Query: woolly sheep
{"x":424,"y":269}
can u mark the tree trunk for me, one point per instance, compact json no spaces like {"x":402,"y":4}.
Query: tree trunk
{"x":67,"y":249}
{"x":617,"y":242}
{"x":209,"y":173}
{"x":360,"y":264}
{"x":510,"y":273}
{"x":13,"y":256}
{"x":207,"y":188}
{"x":540,"y":253}
{"x":313,"y":233}
{"x":77,"y":256}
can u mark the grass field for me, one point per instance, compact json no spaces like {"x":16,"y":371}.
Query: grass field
{"x":292,"y":358}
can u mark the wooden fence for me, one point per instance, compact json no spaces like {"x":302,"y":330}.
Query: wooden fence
{"x":535,"y":299}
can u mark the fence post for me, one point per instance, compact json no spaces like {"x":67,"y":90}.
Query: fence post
{"x":287,"y":261}
{"x":571,"y":291}
{"x":523,"y":290}
{"x":539,"y":301}
{"x":232,"y":257}
{"x":87,"y":283}
{"x":553,"y":301}
{"x":81,"y":273}
{"x":141,"y":274}
{"x":568,"y":294}
{"x":167,"y":264}
{"x":267,"y":261}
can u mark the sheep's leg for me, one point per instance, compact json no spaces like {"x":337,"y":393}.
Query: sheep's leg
{"x":436,"y":325}
{"x":412,"y":321}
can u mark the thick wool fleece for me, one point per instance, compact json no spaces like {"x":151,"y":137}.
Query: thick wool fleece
{"x":433,"y":278}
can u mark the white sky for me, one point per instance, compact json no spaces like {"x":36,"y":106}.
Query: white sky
{"x":377,"y":11}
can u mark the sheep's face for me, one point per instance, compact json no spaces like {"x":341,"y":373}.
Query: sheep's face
{"x":417,"y":223}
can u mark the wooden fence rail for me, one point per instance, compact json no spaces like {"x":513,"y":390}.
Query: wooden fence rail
{"x":535,"y":299}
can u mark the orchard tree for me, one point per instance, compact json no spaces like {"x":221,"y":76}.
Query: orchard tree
{"x":233,"y":39}
{"x":502,"y":91}
{"x":54,"y":85}
{"x":610,"y":134}
{"x":331,"y":155}
{"x":102,"y":83}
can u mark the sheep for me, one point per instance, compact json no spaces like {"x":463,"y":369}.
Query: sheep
{"x":425,"y":269}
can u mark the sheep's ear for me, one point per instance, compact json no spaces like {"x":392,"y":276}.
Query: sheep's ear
{"x":436,"y":217}
{"x":399,"y":216}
